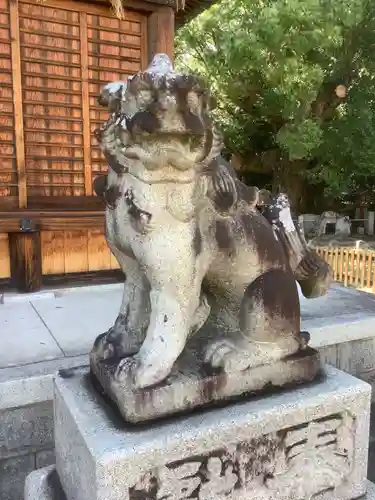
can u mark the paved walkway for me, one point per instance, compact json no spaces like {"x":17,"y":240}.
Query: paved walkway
{"x":55,"y":324}
{"x":50,"y":325}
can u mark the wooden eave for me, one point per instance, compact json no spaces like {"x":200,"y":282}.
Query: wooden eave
{"x":183,"y":12}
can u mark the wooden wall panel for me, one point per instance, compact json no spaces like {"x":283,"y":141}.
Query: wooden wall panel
{"x":116,"y":50}
{"x":53,"y":258}
{"x":54,"y":58}
{"x":52,"y":93}
{"x":4,"y":256}
{"x":8,"y":168}
{"x":114,"y":263}
{"x":75,"y":252}
{"x":99,"y":256}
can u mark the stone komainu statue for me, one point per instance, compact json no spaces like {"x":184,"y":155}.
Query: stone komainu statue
{"x":198,"y":247}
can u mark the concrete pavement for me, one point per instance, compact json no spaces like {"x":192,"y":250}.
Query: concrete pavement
{"x":61,"y":323}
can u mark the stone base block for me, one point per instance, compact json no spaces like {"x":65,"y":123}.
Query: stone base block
{"x":303,"y":443}
{"x":44,"y":484}
{"x":192,"y":385}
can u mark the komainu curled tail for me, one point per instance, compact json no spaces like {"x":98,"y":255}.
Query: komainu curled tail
{"x":313,"y":274}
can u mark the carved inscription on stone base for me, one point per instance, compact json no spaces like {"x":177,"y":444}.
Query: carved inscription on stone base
{"x":297,"y":463}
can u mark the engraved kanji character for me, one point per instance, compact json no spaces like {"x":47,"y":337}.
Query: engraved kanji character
{"x":179,"y":482}
{"x":323,"y":449}
{"x":219,"y":482}
{"x":318,"y":435}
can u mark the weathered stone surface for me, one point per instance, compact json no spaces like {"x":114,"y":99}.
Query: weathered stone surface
{"x":13,"y":473}
{"x":29,"y":427}
{"x":45,"y":458}
{"x":311,"y":441}
{"x":190,"y":386}
{"x":370,"y":491}
{"x":197,"y":247}
{"x":44,"y":484}
{"x":32,"y":384}
{"x":356,"y":358}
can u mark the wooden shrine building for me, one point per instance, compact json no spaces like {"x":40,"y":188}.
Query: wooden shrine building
{"x":55,"y":55}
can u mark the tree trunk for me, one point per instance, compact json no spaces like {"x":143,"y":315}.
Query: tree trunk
{"x":288,"y":179}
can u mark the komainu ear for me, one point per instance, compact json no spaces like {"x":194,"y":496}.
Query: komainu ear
{"x":222,"y":188}
{"x":111,"y":95}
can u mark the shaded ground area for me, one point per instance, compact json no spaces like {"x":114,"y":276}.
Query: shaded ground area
{"x":371,"y":455}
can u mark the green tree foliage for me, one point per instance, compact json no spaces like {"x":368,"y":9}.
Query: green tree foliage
{"x":274,"y":66}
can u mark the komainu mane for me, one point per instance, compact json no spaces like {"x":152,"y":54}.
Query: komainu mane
{"x":201,"y":251}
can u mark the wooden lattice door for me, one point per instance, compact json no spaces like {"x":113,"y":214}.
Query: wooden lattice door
{"x":57,"y":55}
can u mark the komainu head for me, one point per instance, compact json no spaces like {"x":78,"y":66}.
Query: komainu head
{"x":161,"y":114}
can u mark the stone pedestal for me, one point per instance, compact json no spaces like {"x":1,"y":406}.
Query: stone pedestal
{"x":190,"y":386}
{"x":310,"y":441}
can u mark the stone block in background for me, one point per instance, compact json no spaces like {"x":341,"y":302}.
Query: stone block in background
{"x":311,"y":441}
{"x":44,"y":484}
{"x":26,"y":438}
{"x":13,"y":473}
{"x":44,"y":458}
{"x":29,"y":428}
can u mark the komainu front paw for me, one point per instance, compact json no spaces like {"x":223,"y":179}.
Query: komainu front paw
{"x":227,"y":355}
{"x":111,"y":345}
{"x":125,"y":370}
{"x":140,"y":374}
{"x":103,"y":347}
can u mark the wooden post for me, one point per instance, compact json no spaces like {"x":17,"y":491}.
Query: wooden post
{"x":352,"y":262}
{"x":335,"y":257}
{"x":161,"y":33}
{"x":341,"y":268}
{"x":363,"y":269}
{"x":17,"y":101}
{"x":346,"y":272}
{"x":368,"y":269}
{"x":85,"y":103}
{"x":26,"y":260}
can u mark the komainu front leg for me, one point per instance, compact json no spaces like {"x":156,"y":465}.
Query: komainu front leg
{"x":176,"y":308}
{"x":269,"y":326}
{"x":129,"y":330}
{"x":170,"y":322}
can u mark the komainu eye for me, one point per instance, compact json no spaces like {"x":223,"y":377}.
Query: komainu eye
{"x":144,"y":97}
